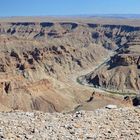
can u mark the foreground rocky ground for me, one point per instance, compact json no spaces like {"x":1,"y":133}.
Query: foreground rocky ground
{"x":114,"y":124}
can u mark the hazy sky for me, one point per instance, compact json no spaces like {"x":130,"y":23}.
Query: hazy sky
{"x":67,"y":7}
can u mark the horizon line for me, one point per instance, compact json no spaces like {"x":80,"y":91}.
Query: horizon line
{"x":104,"y":14}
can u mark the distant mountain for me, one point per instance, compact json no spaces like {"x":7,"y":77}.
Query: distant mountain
{"x":133,"y":16}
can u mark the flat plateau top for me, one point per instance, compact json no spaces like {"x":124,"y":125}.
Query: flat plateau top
{"x":95,"y":20}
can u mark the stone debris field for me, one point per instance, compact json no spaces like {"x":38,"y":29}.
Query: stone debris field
{"x":101,"y":124}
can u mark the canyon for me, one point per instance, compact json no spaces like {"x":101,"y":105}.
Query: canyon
{"x":39,"y":60}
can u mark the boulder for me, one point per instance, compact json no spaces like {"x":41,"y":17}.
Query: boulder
{"x":111,"y":106}
{"x":136,"y":101}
